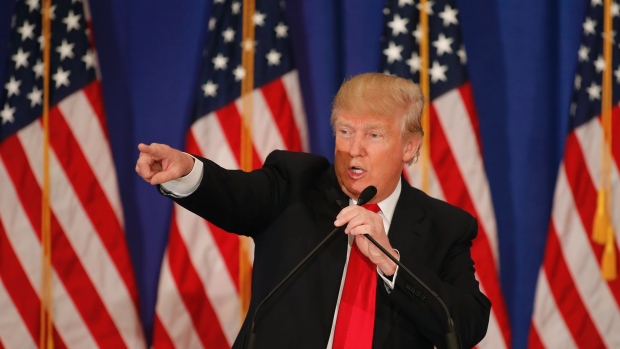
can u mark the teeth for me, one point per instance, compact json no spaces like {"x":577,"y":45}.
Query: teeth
{"x":357,"y":170}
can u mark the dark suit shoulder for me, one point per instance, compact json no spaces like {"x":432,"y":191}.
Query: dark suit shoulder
{"x":437,"y":206}
{"x":296,"y":164}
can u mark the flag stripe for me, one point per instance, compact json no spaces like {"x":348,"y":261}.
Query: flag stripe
{"x":176,"y":323}
{"x":556,"y":334}
{"x":90,"y":136}
{"x":13,"y":333}
{"x":467,"y":97}
{"x":275,"y":96}
{"x":186,"y":277}
{"x":25,"y":235}
{"x":20,"y":299}
{"x":202,"y":250}
{"x":293,"y":92}
{"x":565,"y":293}
{"x":87,"y":252}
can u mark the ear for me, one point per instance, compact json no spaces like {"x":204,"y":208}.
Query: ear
{"x":411,"y":147}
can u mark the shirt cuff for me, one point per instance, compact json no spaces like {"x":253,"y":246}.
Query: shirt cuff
{"x":389,"y":284}
{"x":186,"y":185}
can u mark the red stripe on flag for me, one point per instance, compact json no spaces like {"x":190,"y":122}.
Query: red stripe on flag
{"x":455,"y":191}
{"x":161,"y":339}
{"x":192,"y":291}
{"x":615,"y":139}
{"x":227,"y":243}
{"x":280,"y":106}
{"x":585,"y":196}
{"x":93,"y":93}
{"x":18,"y":287}
{"x":569,"y":301}
{"x":65,"y":261}
{"x":92,"y":198}
{"x":534,"y":341}
{"x":467,"y":97}
{"x":230,"y":120}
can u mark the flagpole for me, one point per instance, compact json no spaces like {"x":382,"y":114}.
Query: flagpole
{"x":46,"y":339}
{"x":602,"y":230}
{"x":247,"y":109}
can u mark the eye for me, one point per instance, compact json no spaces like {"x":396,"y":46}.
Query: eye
{"x":375,"y":135}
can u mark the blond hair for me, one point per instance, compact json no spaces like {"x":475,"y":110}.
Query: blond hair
{"x":376,"y":94}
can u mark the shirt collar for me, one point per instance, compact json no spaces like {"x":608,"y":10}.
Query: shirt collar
{"x":388,"y":206}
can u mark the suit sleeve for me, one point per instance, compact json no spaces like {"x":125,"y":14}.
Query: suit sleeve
{"x":455,"y":284}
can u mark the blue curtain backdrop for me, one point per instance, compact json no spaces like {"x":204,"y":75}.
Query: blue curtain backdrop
{"x":521,"y":59}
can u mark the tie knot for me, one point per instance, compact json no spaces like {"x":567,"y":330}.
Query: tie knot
{"x":372,"y":207}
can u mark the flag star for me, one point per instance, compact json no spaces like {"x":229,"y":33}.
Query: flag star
{"x":229,"y":35}
{"x":218,"y":1}
{"x":589,"y":26}
{"x":61,"y":77}
{"x":212,"y":22}
{"x":573,"y":109}
{"x":220,"y":62}
{"x":438,"y":72}
{"x":248,"y":45}
{"x":386,"y":11}
{"x":12,"y":87}
{"x":72,"y":21}
{"x":398,"y":25}
{"x":20,"y":58}
{"x":273,"y":57}
{"x":89,"y":59}
{"x":236,"y":7}
{"x":428,"y":8}
{"x":583,"y":53}
{"x":596,"y":2}
{"x":462,"y":55}
{"x":65,"y":49}
{"x":210,"y":89}
{"x":35,"y":97}
{"x":613,"y":36}
{"x":259,"y":18}
{"x":449,"y":16}
{"x":393,"y":52}
{"x":239,"y":73}
{"x":599,"y":64}
{"x":615,"y":9}
{"x":53,"y":12}
{"x":442,"y":44}
{"x":7,"y":114}
{"x":26,"y":30}
{"x":594,"y":91}
{"x":38,"y":69}
{"x":281,"y":30}
{"x":417,"y":33}
{"x":577,"y":82}
{"x":32,"y":5}
{"x":414,"y":62}
{"x":41,"y":41}
{"x":617,"y":74}
{"x":402,"y":3}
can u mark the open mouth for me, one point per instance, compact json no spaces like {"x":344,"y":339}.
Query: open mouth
{"x":356,"y":171}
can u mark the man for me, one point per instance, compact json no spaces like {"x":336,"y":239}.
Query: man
{"x":292,"y":203}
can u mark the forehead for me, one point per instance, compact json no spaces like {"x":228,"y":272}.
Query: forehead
{"x":366,"y":121}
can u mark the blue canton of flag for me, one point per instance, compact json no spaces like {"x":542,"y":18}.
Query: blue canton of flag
{"x":72,"y":62}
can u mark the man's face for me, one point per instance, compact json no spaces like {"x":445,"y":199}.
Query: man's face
{"x":370,"y":151}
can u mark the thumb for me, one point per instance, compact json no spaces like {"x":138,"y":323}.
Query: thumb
{"x":163,"y":177}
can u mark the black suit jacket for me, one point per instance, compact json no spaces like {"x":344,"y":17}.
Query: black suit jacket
{"x":285,"y":207}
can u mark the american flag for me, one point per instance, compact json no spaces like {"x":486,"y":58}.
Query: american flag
{"x":94,"y":293}
{"x":456,"y":171}
{"x":198,"y":303}
{"x":575,"y":307}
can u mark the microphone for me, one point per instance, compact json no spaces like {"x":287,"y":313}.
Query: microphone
{"x":365,"y":196}
{"x":452,"y":340}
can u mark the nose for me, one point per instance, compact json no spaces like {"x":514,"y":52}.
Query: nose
{"x":358,"y":147}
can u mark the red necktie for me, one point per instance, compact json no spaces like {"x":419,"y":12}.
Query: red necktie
{"x":356,"y":314}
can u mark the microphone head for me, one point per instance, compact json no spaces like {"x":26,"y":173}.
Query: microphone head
{"x":367,"y":195}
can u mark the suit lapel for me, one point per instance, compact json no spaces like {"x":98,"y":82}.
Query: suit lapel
{"x":331,"y":258}
{"x":407,"y":235}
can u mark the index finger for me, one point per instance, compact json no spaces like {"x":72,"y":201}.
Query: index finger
{"x":154,"y":149}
